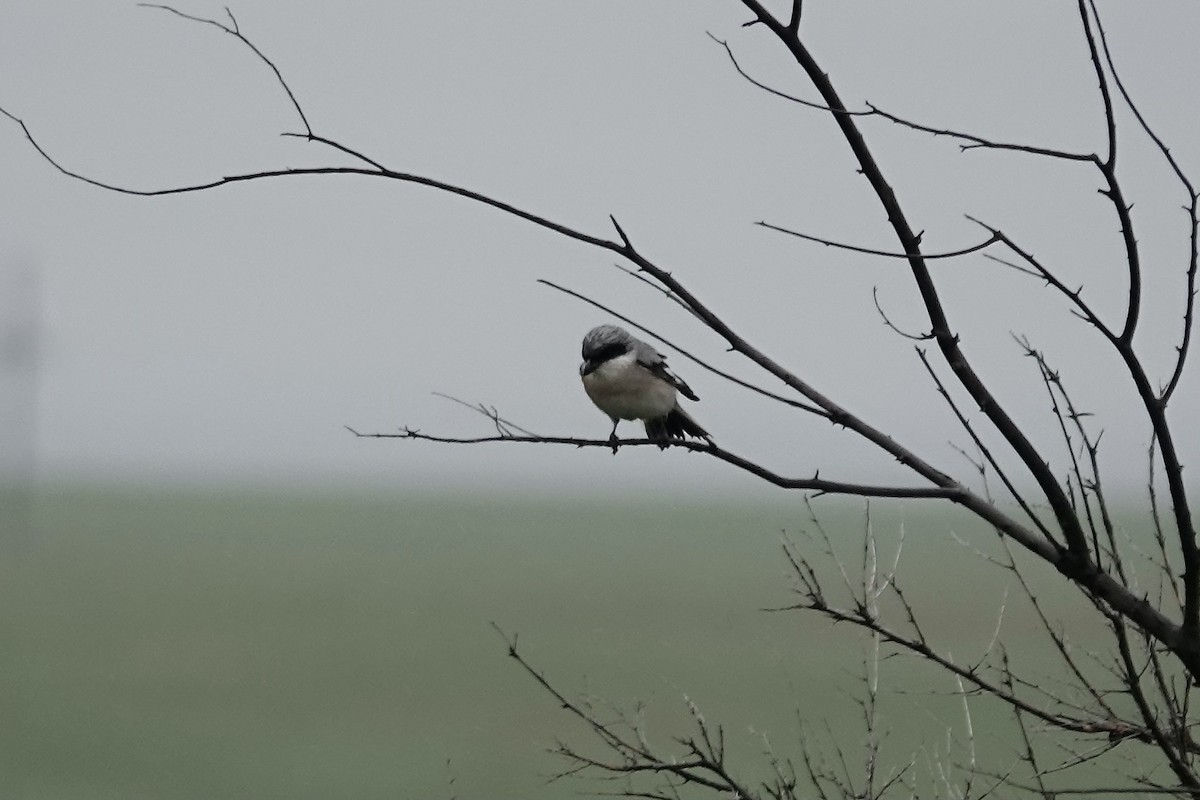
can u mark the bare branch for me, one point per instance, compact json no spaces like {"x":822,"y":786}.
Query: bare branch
{"x":1155,"y":408}
{"x":1191,"y":208}
{"x":1165,"y":566}
{"x":667,"y":293}
{"x":1059,"y":640}
{"x":1133,"y":683}
{"x":312,"y":137}
{"x":1037,"y":269}
{"x":507,"y":208}
{"x":920,"y":647}
{"x":978,"y":142}
{"x":947,"y":340}
{"x":975,"y":248}
{"x":1110,"y":120}
{"x":814,"y":484}
{"x":1050,"y":380}
{"x":985,"y":450}
{"x":769,"y":89}
{"x":1108,"y":168}
{"x":503,"y":427}
{"x":233,"y":30}
{"x":916,"y":337}
{"x":703,"y":766}
{"x":797,"y":11}
{"x":1189,"y":313}
{"x":1028,"y":755}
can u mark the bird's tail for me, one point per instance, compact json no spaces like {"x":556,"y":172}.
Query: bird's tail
{"x":678,"y":424}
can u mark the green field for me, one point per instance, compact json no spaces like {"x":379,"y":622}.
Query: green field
{"x":196,"y":644}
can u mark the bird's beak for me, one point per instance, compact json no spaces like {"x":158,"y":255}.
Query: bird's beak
{"x":587,"y":367}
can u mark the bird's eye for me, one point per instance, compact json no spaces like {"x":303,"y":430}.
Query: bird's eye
{"x":609,"y":351}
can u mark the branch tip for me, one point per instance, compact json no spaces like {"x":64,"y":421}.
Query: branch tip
{"x":621,"y":232}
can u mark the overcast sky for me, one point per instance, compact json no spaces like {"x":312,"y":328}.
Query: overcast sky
{"x":229,"y":335}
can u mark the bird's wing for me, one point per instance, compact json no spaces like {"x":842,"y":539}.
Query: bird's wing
{"x":656,"y":363}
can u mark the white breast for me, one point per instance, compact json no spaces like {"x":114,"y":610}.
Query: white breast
{"x":624,"y":389}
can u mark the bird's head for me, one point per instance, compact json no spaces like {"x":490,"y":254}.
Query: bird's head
{"x":602,"y":344}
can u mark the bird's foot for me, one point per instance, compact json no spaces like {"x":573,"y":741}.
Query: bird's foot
{"x":614,"y":442}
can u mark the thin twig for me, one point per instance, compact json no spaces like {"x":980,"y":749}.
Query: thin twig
{"x":975,"y":248}
{"x":233,"y":30}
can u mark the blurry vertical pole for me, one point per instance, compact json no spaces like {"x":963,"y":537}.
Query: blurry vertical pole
{"x":20,"y":323}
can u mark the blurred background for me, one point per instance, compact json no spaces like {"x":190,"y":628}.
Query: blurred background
{"x":213,"y":589}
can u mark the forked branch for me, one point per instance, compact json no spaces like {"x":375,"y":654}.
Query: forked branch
{"x":947,"y":340}
{"x":1076,"y":561}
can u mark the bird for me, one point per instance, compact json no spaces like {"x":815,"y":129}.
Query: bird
{"x":628,"y":379}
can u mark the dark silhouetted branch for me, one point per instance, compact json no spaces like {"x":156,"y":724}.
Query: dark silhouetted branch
{"x":769,"y":89}
{"x":815,"y":484}
{"x":916,"y":337}
{"x":1191,"y":208}
{"x":1075,"y":563}
{"x":1113,"y":191}
{"x":233,"y":30}
{"x":946,"y":339}
{"x":703,"y":764}
{"x":859,"y":614}
{"x":978,"y":142}
{"x":975,"y":248}
{"x":983,"y":448}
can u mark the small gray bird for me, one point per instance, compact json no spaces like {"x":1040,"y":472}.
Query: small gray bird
{"x":628,"y":379}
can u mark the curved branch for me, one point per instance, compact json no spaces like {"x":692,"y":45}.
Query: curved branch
{"x":869,"y":251}
{"x":770,"y":89}
{"x":298,"y":171}
{"x":1191,"y":208}
{"x":1189,"y":313}
{"x":235,"y":32}
{"x":814,"y":484}
{"x":1039,"y":270}
{"x":916,"y":337}
{"x":1110,"y":120}
{"x":983,"y":448}
{"x":978,"y":142}
{"x":1108,"y":169}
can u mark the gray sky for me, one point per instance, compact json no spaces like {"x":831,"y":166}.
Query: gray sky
{"x":229,"y":335}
